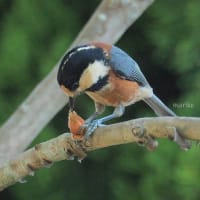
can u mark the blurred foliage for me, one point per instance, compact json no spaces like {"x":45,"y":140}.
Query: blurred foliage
{"x":165,"y":42}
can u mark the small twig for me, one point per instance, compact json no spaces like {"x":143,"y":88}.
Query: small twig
{"x":64,"y":147}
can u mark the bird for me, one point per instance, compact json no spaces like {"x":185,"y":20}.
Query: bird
{"x":110,"y":77}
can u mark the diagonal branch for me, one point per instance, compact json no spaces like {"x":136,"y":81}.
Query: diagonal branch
{"x":63,"y":147}
{"x":108,"y":23}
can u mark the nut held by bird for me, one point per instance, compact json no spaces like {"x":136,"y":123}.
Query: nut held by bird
{"x":75,"y":123}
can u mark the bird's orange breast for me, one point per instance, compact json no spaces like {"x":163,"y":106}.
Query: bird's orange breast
{"x":117,"y":91}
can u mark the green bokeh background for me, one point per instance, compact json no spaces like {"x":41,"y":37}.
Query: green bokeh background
{"x":165,"y":41}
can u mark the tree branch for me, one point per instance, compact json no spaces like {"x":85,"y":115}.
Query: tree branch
{"x":63,"y":147}
{"x":108,"y":23}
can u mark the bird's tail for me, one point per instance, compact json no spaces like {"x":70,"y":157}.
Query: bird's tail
{"x":162,"y":110}
{"x":158,"y":106}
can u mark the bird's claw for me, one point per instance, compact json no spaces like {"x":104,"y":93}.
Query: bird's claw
{"x":91,"y":127}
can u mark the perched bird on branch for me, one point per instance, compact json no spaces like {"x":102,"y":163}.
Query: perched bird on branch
{"x":111,"y":78}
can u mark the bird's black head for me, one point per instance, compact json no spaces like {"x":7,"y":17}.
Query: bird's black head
{"x":75,"y":62}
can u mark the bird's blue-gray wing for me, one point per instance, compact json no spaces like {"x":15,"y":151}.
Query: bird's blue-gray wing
{"x":125,"y":67}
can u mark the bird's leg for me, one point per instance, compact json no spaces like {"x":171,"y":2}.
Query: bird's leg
{"x":99,"y":109}
{"x":119,"y":111}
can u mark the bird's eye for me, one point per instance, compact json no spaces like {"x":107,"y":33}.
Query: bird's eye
{"x":75,"y":86}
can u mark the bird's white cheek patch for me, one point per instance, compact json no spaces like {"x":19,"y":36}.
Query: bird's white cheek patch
{"x":92,"y":74}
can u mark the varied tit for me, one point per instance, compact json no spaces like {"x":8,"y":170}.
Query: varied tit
{"x":111,"y":78}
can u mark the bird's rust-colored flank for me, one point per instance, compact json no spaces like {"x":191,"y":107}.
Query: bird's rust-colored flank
{"x":117,"y":92}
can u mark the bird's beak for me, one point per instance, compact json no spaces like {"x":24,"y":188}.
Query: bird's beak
{"x":71,"y":103}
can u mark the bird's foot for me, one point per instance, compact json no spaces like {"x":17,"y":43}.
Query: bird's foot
{"x":91,"y":127}
{"x":81,"y":129}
